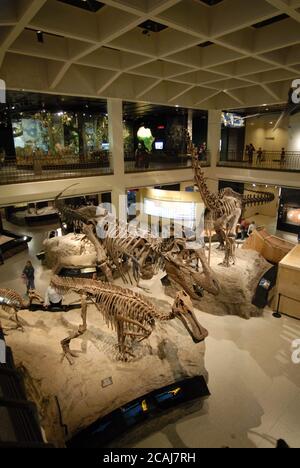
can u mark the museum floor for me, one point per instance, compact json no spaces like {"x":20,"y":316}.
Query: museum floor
{"x":255,"y":387}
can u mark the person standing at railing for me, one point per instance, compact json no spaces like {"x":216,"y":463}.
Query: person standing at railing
{"x":259,"y":156}
{"x":251,"y":151}
{"x":282,"y":157}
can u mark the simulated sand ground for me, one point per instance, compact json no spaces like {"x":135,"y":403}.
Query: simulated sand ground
{"x":168,"y":355}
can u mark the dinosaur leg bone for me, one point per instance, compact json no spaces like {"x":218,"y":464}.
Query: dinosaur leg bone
{"x":81,"y":330}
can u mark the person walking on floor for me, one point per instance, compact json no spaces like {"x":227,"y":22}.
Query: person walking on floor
{"x":28,"y":275}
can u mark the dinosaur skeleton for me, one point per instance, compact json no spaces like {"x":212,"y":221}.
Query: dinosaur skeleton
{"x":226,"y":209}
{"x":183,"y":270}
{"x":12,"y":303}
{"x":122,"y":242}
{"x":81,"y":220}
{"x":127,"y":312}
{"x":254,"y":198}
{"x":225,"y":212}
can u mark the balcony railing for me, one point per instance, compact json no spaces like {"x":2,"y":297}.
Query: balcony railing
{"x":271,"y":160}
{"x":54,"y":167}
{"x":162,"y":163}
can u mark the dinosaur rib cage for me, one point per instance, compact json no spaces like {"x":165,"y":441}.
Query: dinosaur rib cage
{"x":10,"y":299}
{"x":117,"y":305}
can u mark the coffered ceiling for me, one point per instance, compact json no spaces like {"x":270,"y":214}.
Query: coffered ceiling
{"x":192,"y":53}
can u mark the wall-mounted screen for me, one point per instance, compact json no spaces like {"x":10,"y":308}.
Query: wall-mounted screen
{"x":159,"y":145}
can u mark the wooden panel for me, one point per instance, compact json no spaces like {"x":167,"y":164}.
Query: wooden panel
{"x":288,"y":283}
{"x":289,"y":307}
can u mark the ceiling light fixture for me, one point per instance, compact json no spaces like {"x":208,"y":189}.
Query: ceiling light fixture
{"x":40,"y":36}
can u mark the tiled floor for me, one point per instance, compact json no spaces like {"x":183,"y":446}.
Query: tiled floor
{"x":254,"y":385}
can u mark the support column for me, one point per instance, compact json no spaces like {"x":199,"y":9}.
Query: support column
{"x":116,"y":145}
{"x":214,"y":135}
{"x":190,"y":123}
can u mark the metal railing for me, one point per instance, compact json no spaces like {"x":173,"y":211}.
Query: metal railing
{"x":52,"y":168}
{"x":270,"y":160}
{"x":162,"y":163}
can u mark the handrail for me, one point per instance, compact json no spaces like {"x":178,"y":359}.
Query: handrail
{"x":270,"y":160}
{"x":41,"y":168}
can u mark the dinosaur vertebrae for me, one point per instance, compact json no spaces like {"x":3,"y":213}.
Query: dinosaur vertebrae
{"x":114,"y":302}
{"x":260,"y":198}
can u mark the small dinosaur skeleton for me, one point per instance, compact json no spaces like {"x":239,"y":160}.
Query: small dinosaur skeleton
{"x":11,"y":302}
{"x":129,"y":313}
{"x":183,"y":270}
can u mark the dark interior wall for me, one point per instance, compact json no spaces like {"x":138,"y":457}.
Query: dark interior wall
{"x":289,"y":199}
{"x":238,"y":187}
{"x":200,"y":127}
{"x":233,"y":142}
{"x":172,"y":187}
{"x":7,"y":140}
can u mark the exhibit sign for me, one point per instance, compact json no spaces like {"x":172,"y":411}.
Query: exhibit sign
{"x":183,"y":211}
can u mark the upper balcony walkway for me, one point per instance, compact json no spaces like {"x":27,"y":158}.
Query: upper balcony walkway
{"x":69,"y":167}
{"x":270,"y":160}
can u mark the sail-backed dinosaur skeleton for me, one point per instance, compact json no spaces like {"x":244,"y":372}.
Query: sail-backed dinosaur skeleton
{"x":11,"y":302}
{"x":81,"y":220}
{"x":129,"y":313}
{"x":117,"y":245}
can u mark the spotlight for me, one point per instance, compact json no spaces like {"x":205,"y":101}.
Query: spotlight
{"x":40,"y":36}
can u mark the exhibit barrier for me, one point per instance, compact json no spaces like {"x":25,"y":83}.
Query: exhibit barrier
{"x":163,"y":162}
{"x":58,"y":167}
{"x":19,"y":426}
{"x":271,"y":160}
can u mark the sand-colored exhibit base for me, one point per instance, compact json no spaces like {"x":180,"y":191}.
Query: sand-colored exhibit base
{"x":238,"y":285}
{"x":169,"y":355}
{"x":76,"y":396}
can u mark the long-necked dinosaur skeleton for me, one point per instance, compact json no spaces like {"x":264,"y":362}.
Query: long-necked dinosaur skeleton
{"x":129,"y":313}
{"x":225,"y":212}
{"x":11,"y":302}
{"x":225,"y":209}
